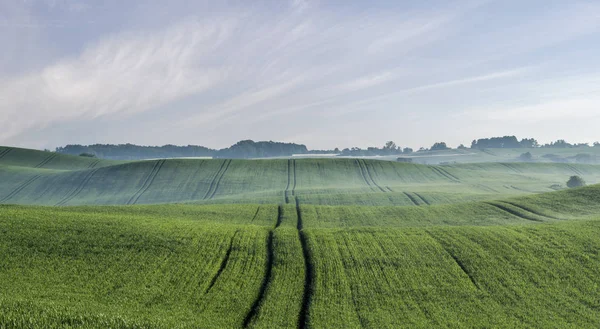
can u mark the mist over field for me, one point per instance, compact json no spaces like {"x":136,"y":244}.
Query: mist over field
{"x":299,"y":164}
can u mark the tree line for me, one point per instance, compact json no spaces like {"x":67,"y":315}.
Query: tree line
{"x":250,"y":149}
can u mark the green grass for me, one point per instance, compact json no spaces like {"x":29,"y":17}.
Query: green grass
{"x":312,"y":243}
{"x":67,"y":180}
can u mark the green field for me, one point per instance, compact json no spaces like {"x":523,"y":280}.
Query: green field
{"x":296,"y":243}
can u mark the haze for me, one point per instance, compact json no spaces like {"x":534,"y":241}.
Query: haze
{"x":315,"y":72}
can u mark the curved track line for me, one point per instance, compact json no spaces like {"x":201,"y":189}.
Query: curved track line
{"x":223,"y":264}
{"x":289,"y":178}
{"x":5,"y":152}
{"x":135,"y":195}
{"x":295,"y":180}
{"x":513,"y":212}
{"x":362,"y":173}
{"x":265,"y":283}
{"x":457,"y":261}
{"x":412,"y":199}
{"x":371,"y":176}
{"x":212,"y":183}
{"x":219,"y":180}
{"x":78,"y":189}
{"x":308,"y":271}
{"x":255,"y":214}
{"x":162,"y":162}
{"x":575,"y":170}
{"x":529,"y":210}
{"x":422,"y":198}
{"x":93,"y":164}
{"x":20,"y":188}
{"x":46,"y":160}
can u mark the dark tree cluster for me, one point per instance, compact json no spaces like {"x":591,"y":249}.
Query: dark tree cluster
{"x":250,"y":149}
{"x":510,"y":142}
{"x":133,"y":152}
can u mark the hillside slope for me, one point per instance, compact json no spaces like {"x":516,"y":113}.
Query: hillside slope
{"x":33,"y":177}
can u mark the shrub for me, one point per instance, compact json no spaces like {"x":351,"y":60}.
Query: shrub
{"x":575,"y":181}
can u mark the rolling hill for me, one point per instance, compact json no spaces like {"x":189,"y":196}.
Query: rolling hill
{"x":284,"y":243}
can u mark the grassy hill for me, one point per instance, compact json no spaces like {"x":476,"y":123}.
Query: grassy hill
{"x":311,"y":243}
{"x":33,"y":177}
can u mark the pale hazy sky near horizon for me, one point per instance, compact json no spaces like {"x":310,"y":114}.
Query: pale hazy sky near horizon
{"x":323,"y":73}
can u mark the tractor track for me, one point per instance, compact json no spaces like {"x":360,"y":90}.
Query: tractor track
{"x":223,"y":264}
{"x":149,"y":179}
{"x":371,"y":176}
{"x":265,"y":283}
{"x":46,"y":160}
{"x":78,"y":189}
{"x":412,"y":199}
{"x":20,"y":188}
{"x":5,"y":152}
{"x":513,"y":212}
{"x":422,"y":198}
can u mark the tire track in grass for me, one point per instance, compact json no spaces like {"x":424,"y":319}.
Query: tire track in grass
{"x":456,"y":260}
{"x":20,"y":188}
{"x":371,"y":176}
{"x":255,"y":214}
{"x":265,"y":283}
{"x":308,"y":270}
{"x":279,"y":216}
{"x":422,"y":198}
{"x":446,"y":174}
{"x":78,"y":189}
{"x":295,"y":178}
{"x":389,"y":189}
{"x":46,"y":160}
{"x":223,"y":264}
{"x":219,"y":180}
{"x":513,"y":212}
{"x":289,"y":178}
{"x":528,"y":209}
{"x":511,"y":168}
{"x":135,"y":196}
{"x":5,"y":152}
{"x":412,"y":199}
{"x":212,"y":183}
{"x":93,"y":164}
{"x":575,"y":170}
{"x":362,"y":173}
{"x":162,"y":162}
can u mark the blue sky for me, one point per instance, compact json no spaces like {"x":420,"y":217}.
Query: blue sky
{"x":324,"y":73}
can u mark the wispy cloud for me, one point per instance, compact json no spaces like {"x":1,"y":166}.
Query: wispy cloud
{"x":242,"y":67}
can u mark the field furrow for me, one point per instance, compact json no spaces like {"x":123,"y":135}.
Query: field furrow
{"x":78,"y":189}
{"x":212,"y":195}
{"x":20,"y":188}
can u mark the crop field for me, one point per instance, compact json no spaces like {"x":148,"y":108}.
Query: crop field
{"x":296,"y":243}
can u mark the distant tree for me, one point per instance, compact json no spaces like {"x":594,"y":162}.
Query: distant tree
{"x":390,"y":145}
{"x":337,"y":150}
{"x":407,"y":150}
{"x":561,"y":143}
{"x":440,"y":146}
{"x":422,"y":149}
{"x":575,"y":181}
{"x":529,"y":143}
{"x":461,"y":147}
{"x":527,"y":157}
{"x":497,"y":142}
{"x":87,"y":155}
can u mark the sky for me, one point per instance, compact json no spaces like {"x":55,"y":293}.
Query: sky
{"x":323,"y":73}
